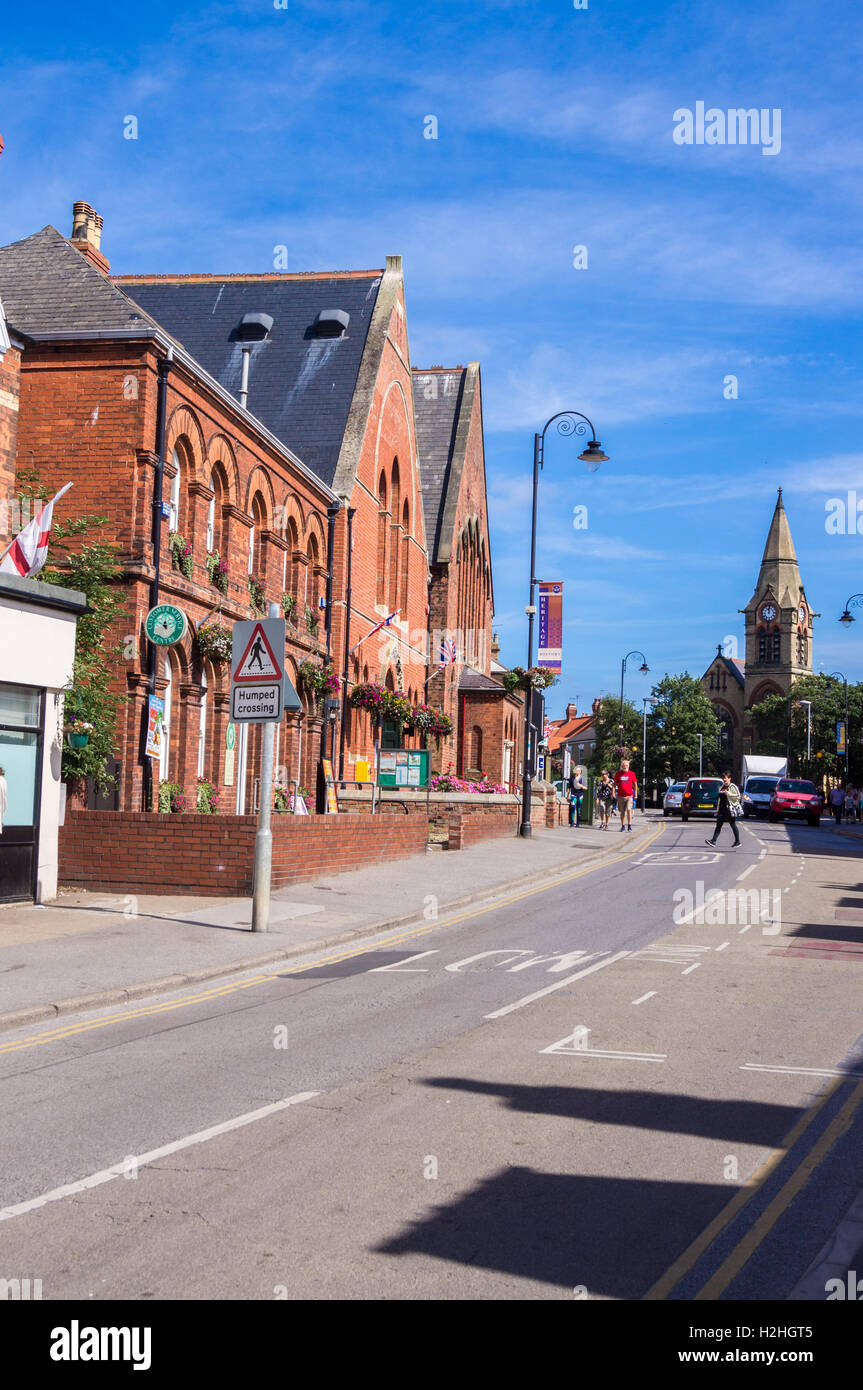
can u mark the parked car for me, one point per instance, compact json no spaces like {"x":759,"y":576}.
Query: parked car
{"x":796,"y":798}
{"x":700,"y":797}
{"x":757,"y":795}
{"x":673,"y":799}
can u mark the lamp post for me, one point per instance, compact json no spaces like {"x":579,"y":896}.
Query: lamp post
{"x":700,"y":753}
{"x":834,"y":675}
{"x":643,"y":668}
{"x":808,"y":704}
{"x":645,"y":700}
{"x":568,"y":422}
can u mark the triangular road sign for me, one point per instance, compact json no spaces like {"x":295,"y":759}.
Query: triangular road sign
{"x":258,"y":663}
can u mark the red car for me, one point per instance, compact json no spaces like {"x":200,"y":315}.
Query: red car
{"x":796,"y":798}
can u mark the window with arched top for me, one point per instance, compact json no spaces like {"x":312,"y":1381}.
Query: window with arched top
{"x":174,"y":495}
{"x":476,"y":747}
{"x":259,"y":524}
{"x":383,"y":541}
{"x":406,"y":540}
{"x":219,"y":485}
{"x":312,"y":579}
{"x":202,"y":726}
{"x":165,"y":744}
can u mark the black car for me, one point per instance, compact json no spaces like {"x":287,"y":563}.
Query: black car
{"x":701,"y":797}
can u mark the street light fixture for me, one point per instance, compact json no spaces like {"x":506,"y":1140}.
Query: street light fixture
{"x":645,"y":701}
{"x":643,"y":668}
{"x":847,"y":618}
{"x":569,"y":422}
{"x":808,"y":704}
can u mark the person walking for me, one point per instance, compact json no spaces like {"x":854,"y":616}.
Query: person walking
{"x":728,"y":808}
{"x":626,"y":787}
{"x":850,"y":802}
{"x":604,"y":799}
{"x":837,"y":803}
{"x":576,"y":789}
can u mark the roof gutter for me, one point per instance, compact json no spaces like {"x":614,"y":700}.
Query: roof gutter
{"x":185,"y":359}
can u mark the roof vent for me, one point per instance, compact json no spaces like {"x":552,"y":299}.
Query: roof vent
{"x":331,"y":323}
{"x":253,"y":328}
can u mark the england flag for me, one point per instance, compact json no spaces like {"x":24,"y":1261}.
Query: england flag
{"x":29,"y":550}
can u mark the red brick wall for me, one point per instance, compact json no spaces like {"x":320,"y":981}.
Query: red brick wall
{"x":481,"y":823}
{"x":213,"y":855}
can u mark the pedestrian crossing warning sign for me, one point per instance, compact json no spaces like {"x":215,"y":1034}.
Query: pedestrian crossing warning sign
{"x":257,"y":661}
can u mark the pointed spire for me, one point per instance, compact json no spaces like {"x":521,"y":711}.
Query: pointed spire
{"x":779,"y":570}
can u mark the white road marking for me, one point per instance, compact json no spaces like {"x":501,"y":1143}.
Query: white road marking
{"x":745,"y":874}
{"x":401,"y":964}
{"x":649,"y":995}
{"x":559,"y":984}
{"x":803,"y":1071}
{"x":561,"y":1049}
{"x":722,"y":947}
{"x":689,"y":969}
{"x":72,"y":1189}
{"x":744,"y":929}
{"x":763,"y":853}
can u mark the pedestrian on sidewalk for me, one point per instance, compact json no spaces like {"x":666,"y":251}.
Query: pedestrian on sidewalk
{"x":728,"y":808}
{"x":837,"y":803}
{"x":850,"y":802}
{"x":604,"y":799}
{"x":626,"y":787}
{"x":576,"y":789}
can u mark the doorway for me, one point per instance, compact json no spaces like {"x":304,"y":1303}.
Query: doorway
{"x":21,"y":708}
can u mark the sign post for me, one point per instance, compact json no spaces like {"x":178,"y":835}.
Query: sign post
{"x":258,"y":696}
{"x":550,"y":654}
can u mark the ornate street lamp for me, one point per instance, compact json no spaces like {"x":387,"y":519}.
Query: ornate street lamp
{"x":569,"y":422}
{"x":847,"y":618}
{"x":643,"y":668}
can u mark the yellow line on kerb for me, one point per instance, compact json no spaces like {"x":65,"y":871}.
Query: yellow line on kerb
{"x":185,"y":1001}
{"x":690,"y":1257}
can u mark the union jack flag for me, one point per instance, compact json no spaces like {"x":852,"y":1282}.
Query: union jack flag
{"x":448,"y":655}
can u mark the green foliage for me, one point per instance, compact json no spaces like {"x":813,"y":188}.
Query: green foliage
{"x":311,"y":621}
{"x":257,"y":597}
{"x":682,"y":711}
{"x":171,"y":798}
{"x":606,"y":722}
{"x":828,"y":706}
{"x":90,"y":565}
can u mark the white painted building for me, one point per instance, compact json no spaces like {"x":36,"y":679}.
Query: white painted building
{"x":37,"y":649}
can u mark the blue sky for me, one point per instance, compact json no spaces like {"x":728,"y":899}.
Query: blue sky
{"x":303,"y":127}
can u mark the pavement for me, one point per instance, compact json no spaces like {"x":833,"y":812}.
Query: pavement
{"x":93,"y":950}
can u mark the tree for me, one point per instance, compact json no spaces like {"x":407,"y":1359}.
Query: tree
{"x":772,"y":718}
{"x":92,"y":568}
{"x":680,"y":713}
{"x":607,"y":749}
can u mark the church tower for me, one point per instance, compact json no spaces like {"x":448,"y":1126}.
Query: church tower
{"x":778,"y":620}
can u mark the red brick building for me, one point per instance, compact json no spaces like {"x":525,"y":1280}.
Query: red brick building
{"x":486,"y":720}
{"x":288,"y":421}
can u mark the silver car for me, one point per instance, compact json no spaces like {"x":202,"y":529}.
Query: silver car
{"x":673,"y":799}
{"x":757,"y":794}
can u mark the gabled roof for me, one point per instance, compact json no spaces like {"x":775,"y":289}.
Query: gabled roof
{"x":438,"y":396}
{"x":475,"y":680}
{"x":580,"y":729}
{"x":49,"y":289}
{"x":301,"y":386}
{"x":728,"y":663}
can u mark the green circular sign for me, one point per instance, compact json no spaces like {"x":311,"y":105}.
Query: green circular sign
{"x":165,"y":624}
{"x":231,"y":736}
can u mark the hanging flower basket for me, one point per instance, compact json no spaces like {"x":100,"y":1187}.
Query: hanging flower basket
{"x":257,"y":597}
{"x":538,"y":678}
{"x":371,"y":696}
{"x":78,"y":732}
{"x":181,"y":553}
{"x":214,"y":642}
{"x":218,"y":571}
{"x":289,"y":608}
{"x":320,"y":680}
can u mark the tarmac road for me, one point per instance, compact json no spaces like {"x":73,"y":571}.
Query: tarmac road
{"x":567,"y":1092}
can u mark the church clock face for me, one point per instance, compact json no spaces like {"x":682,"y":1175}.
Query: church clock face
{"x":801,"y":614}
{"x":768,"y":612}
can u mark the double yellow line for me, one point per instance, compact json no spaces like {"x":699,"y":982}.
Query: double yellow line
{"x":185,"y":1001}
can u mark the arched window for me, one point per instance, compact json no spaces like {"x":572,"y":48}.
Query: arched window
{"x":291,"y":567}
{"x":312,"y":579}
{"x":476,"y":748}
{"x":395,"y":548}
{"x":202,"y":726}
{"x":259,"y":523}
{"x":174,"y":503}
{"x":165,"y":751}
{"x":214,"y":509}
{"x":406,"y":540}
{"x":383,"y":528}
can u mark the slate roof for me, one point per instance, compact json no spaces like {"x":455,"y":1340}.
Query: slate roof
{"x":475,"y":680}
{"x":49,"y":288}
{"x":437,"y":400}
{"x":300,"y":386}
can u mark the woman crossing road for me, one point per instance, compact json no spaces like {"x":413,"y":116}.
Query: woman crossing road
{"x":728,"y":809}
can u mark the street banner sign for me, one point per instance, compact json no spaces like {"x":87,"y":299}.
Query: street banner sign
{"x":155,"y":726}
{"x":841,"y":735}
{"x":551,"y":626}
{"x":257,"y":670}
{"x":567,"y":763}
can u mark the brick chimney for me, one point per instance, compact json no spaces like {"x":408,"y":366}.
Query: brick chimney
{"x":87,"y":235}
{"x":572,"y":711}
{"x":495,"y":647}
